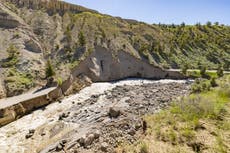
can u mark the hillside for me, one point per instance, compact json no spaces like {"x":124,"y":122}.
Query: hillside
{"x":35,"y":31}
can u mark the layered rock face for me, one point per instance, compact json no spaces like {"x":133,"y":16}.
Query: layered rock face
{"x":2,"y":92}
{"x":103,"y":65}
{"x":7,"y":21}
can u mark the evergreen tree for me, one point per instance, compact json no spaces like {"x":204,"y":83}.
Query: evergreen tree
{"x":203,"y":71}
{"x":213,"y":82}
{"x":220,"y":71}
{"x":81,"y":39}
{"x":184,"y":68}
{"x":49,"y":69}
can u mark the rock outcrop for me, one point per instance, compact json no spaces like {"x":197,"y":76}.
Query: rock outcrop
{"x":7,"y":21}
{"x":103,"y":65}
{"x":9,"y":113}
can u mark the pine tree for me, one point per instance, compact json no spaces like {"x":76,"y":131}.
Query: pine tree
{"x":81,"y":39}
{"x":203,"y":71}
{"x":49,"y":69}
{"x":220,"y":71}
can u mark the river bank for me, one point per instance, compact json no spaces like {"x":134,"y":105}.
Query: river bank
{"x":85,"y":121}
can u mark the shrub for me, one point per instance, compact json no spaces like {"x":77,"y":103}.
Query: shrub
{"x":220,"y":71}
{"x":12,"y":58}
{"x":200,"y":85}
{"x":213,"y":82}
{"x":203,"y":71}
{"x":209,"y":24}
{"x":144,"y":148}
{"x":197,"y":107}
{"x":59,"y":81}
{"x":12,"y":52}
{"x":224,"y":91}
{"x":49,"y":69}
{"x":81,"y":39}
{"x":184,"y":69}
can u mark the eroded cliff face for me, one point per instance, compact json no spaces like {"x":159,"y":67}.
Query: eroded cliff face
{"x":39,"y":35}
{"x":7,"y":20}
{"x":106,"y":65}
{"x":21,"y":56}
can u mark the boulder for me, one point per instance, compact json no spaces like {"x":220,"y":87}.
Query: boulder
{"x":104,"y":147}
{"x":87,"y":140}
{"x":114,"y":112}
{"x":30,"y":134}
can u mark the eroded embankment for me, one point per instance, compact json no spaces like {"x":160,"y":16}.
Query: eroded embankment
{"x":85,"y":122}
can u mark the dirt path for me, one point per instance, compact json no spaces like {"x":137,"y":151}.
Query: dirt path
{"x":84,"y":117}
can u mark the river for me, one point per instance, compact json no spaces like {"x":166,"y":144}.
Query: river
{"x":12,"y":136}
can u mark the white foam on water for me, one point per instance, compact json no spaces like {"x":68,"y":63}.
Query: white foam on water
{"x":13,"y":134}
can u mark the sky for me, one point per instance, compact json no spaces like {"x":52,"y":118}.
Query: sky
{"x":163,"y":11}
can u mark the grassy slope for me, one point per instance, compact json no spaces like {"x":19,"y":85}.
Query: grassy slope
{"x":168,"y":45}
{"x":196,"y":123}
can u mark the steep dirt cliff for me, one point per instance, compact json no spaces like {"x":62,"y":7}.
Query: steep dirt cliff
{"x":106,"y":65}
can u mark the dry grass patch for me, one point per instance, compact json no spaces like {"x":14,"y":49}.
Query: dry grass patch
{"x":196,"y":123}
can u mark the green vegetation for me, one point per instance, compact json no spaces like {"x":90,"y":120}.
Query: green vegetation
{"x":201,"y":85}
{"x":16,"y":82}
{"x":184,"y":68}
{"x":205,"y":44}
{"x":12,"y":58}
{"x":171,"y":46}
{"x":81,"y":39}
{"x":220,"y":71}
{"x":51,"y":6}
{"x":203,"y":72}
{"x":144,"y":148}
{"x":49,"y":69}
{"x":183,"y":125}
{"x":213,"y":82}
{"x":59,"y":81}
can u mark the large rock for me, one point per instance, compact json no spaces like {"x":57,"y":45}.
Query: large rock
{"x":87,"y":140}
{"x":114,"y":112}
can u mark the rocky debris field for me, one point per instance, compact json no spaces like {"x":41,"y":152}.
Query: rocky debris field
{"x":102,"y":121}
{"x":106,"y":120}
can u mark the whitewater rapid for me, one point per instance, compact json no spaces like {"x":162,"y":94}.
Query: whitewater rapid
{"x":13,"y":134}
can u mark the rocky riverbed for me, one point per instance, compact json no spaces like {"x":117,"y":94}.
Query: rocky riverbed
{"x":97,"y":119}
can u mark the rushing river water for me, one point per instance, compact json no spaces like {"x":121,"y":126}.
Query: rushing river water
{"x":12,"y":136}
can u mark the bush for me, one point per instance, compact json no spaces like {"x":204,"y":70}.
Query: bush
{"x":209,"y":23}
{"x":203,"y":71}
{"x":59,"y":81}
{"x":49,"y":69}
{"x":81,"y":39}
{"x":12,"y":52}
{"x":12,"y":58}
{"x":200,"y":85}
{"x":213,"y":82}
{"x":144,"y":148}
{"x":196,"y":107}
{"x":220,"y":71}
{"x":184,"y":69}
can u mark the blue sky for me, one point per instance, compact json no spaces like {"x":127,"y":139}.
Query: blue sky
{"x":163,"y":11}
